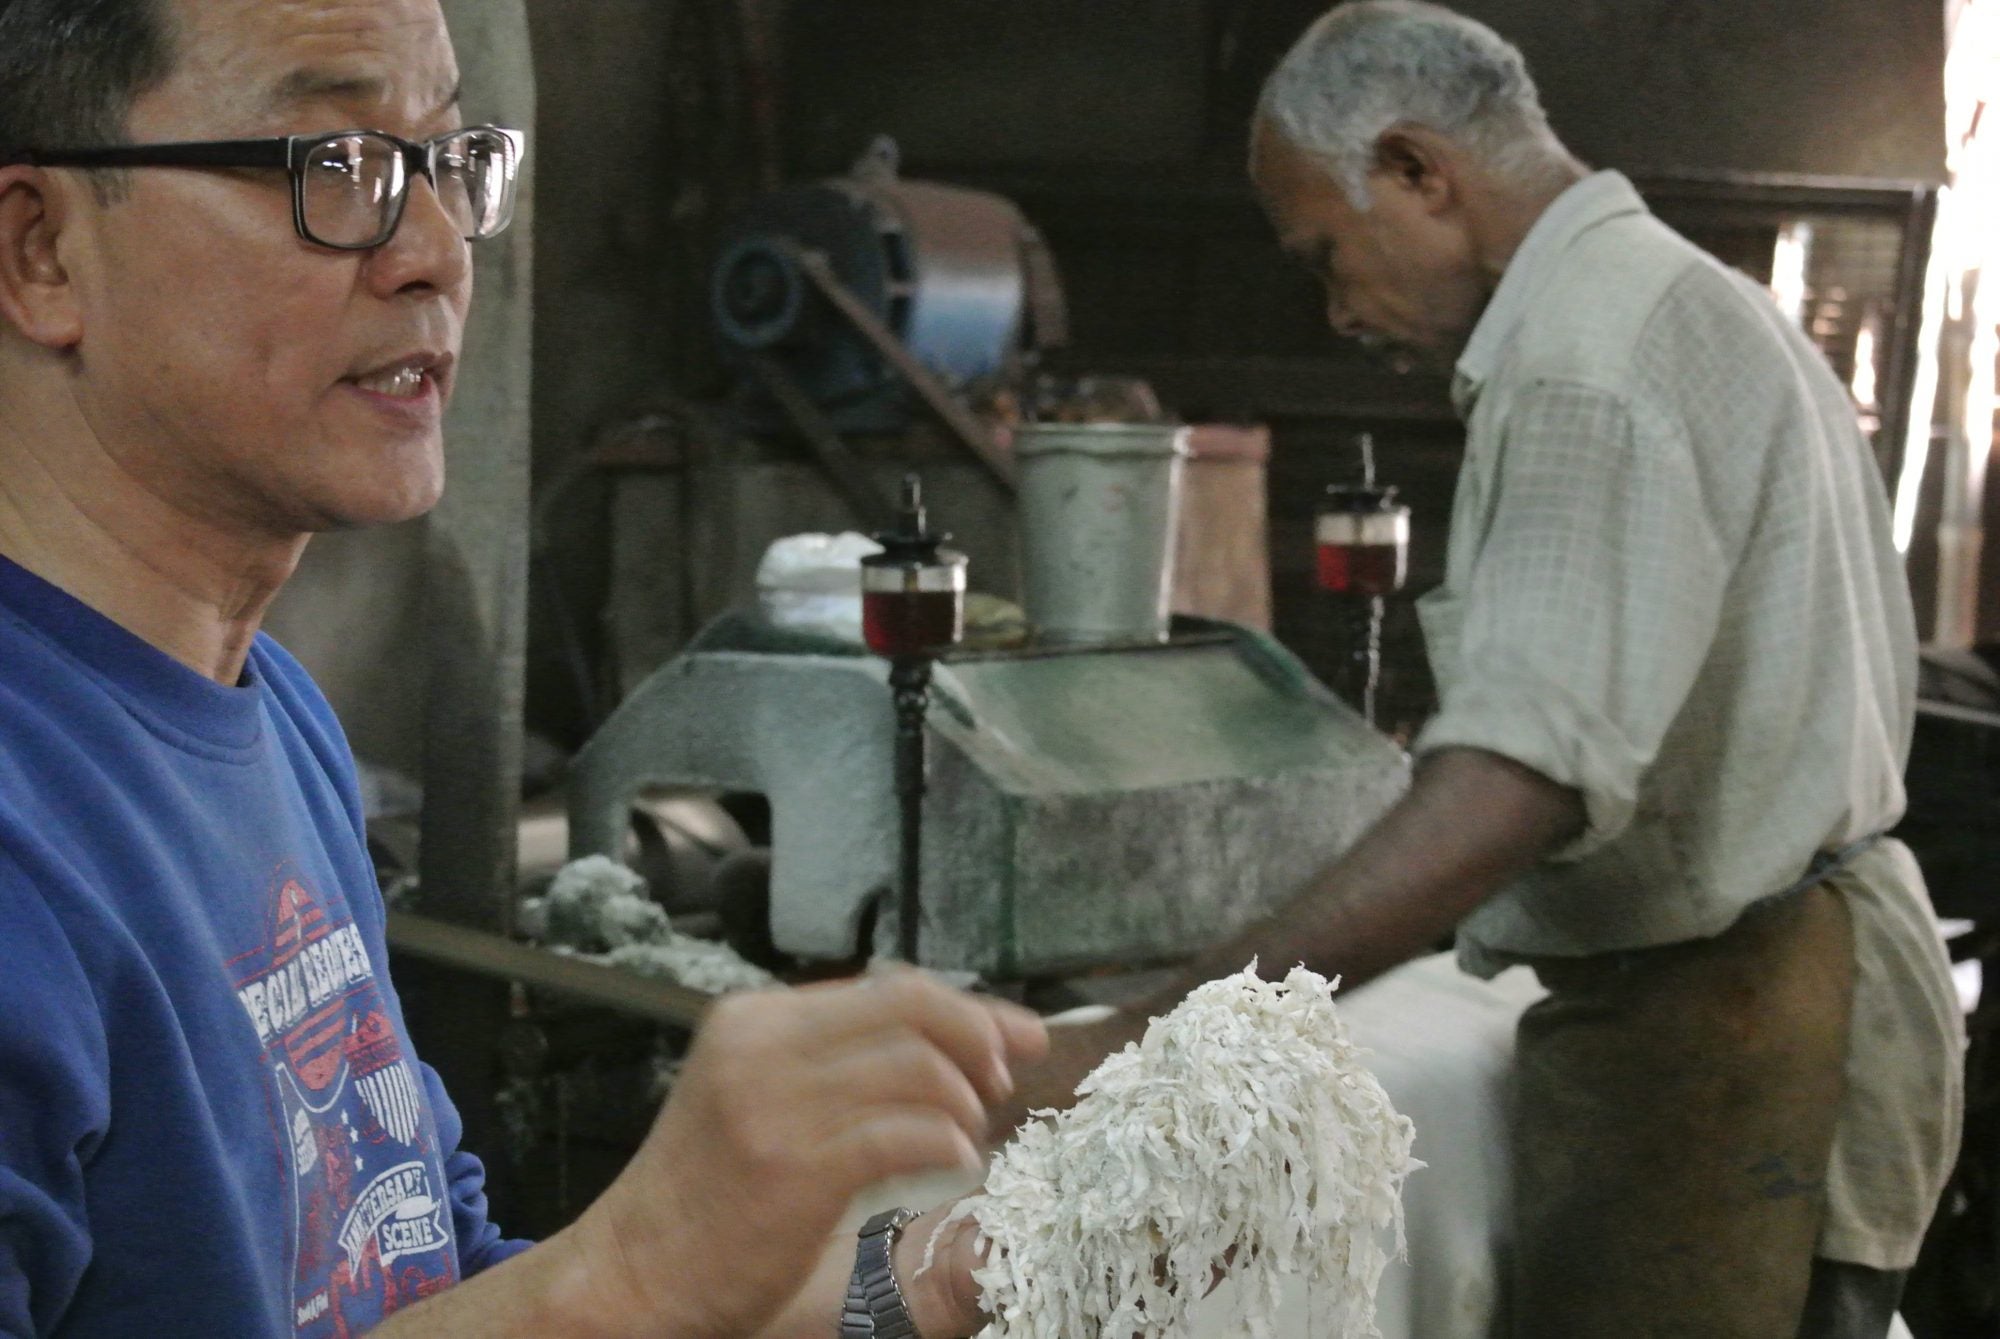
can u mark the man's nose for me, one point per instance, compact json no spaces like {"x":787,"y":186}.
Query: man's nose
{"x":429,"y":251}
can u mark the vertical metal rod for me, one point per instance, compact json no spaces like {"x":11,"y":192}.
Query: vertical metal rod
{"x":1363,"y":676}
{"x":1376,"y":608}
{"x":910,"y":679}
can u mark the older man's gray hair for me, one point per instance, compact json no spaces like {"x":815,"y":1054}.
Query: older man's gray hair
{"x":1375,"y":64}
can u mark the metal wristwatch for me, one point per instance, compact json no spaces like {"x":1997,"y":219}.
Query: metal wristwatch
{"x":874,"y":1307}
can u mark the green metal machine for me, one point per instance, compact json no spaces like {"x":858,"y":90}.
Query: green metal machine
{"x":1086,"y":808}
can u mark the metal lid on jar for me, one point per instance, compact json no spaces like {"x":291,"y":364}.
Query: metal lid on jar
{"x":911,"y":544}
{"x":1359,"y":500}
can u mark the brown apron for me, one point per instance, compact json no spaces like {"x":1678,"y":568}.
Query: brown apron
{"x":1674,"y":1116}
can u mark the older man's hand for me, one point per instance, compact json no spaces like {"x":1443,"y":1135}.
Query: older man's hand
{"x":791,"y":1103}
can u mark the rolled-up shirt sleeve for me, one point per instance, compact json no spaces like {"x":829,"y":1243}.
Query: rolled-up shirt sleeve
{"x":1594,"y":589}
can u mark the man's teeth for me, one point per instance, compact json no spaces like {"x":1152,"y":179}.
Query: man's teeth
{"x":405,"y":383}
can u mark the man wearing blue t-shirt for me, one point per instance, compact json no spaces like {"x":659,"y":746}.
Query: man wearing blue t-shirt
{"x":229,"y":320}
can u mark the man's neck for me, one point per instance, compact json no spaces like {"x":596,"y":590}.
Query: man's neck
{"x":186,"y":585}
{"x":1501,"y":217}
{"x":1511,"y":214}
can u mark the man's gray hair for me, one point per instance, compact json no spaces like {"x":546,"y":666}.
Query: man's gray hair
{"x":1374,"y":64}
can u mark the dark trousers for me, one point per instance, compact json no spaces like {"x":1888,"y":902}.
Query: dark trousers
{"x":1674,"y":1116}
{"x":1851,"y":1301}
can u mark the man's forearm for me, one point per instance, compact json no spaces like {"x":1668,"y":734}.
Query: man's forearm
{"x":1470,"y":823}
{"x":551,"y":1292}
{"x":814,"y":1312}
{"x":548,"y":1292}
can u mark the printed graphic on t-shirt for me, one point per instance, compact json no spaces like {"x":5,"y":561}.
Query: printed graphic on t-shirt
{"x":372,"y":1226}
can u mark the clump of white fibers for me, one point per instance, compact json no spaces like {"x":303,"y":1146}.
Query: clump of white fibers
{"x":1243,"y":1122}
{"x":599,"y":910}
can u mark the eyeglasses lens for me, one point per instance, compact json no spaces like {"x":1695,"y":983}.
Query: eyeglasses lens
{"x":476,"y":171}
{"x":352,"y":187}
{"x":355,"y":186}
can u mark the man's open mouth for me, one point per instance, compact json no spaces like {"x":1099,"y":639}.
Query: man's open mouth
{"x":410,"y":377}
{"x":401,"y":383}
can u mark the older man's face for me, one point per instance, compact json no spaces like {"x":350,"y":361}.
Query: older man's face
{"x":1399,"y":277}
{"x":232,"y":367}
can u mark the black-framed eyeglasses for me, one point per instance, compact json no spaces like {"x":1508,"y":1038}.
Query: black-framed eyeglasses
{"x":349,"y":188}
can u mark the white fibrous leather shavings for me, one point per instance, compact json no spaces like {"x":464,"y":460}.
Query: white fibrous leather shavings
{"x":1243,"y":1122}
{"x":599,"y":909}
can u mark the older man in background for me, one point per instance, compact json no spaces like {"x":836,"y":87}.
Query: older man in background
{"x":234,"y":274}
{"x":1676,"y":667}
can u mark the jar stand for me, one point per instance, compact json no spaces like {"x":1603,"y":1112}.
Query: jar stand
{"x":910,"y":682}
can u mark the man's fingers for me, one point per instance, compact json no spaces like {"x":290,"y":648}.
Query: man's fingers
{"x":1023,"y":1035}
{"x":1021,"y":1031}
{"x":906,"y":1071}
{"x":901,"y":1141}
{"x":929,"y":1043}
{"x":967,"y":1030}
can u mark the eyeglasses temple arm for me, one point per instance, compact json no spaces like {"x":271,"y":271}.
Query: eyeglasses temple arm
{"x":215,"y":153}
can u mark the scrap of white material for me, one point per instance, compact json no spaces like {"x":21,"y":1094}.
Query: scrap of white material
{"x":812,"y":583}
{"x":599,"y":910}
{"x":1243,"y":1122}
{"x":826,"y":564}
{"x":699,"y":964}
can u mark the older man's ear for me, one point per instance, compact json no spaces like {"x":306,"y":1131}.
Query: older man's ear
{"x":37,"y":297}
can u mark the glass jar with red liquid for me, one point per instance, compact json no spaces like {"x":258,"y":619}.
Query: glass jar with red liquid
{"x":1363,"y":539}
{"x":913,"y":592}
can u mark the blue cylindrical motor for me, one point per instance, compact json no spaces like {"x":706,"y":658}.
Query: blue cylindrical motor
{"x":959,"y":277}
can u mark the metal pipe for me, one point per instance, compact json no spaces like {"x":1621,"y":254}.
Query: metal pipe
{"x":836,"y":458}
{"x":502,"y":959}
{"x":936,"y":396}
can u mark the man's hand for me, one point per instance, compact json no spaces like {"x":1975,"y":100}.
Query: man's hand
{"x":943,"y":1300}
{"x":790,"y":1104}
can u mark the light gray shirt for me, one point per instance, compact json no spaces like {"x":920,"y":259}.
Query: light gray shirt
{"x":1671,"y":586}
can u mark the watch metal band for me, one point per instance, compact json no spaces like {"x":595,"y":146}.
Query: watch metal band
{"x":873,"y":1308}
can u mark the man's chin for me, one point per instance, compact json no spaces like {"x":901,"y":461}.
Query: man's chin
{"x":355,"y":510}
{"x":399,"y":513}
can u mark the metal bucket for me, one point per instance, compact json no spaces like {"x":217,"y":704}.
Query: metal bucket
{"x":1098,"y":509}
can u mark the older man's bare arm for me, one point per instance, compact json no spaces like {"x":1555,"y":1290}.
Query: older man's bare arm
{"x":1471,"y":822}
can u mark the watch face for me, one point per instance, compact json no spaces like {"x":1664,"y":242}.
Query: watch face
{"x":892,"y":1221}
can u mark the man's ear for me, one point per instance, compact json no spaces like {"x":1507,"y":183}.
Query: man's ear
{"x":1419,"y":161}
{"x":36,"y":295}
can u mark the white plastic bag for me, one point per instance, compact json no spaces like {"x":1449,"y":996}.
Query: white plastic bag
{"x":812,"y":583}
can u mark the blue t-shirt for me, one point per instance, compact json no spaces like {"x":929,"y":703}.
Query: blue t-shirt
{"x":211,"y":1123}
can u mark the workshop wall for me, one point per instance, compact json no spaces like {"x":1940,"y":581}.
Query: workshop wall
{"x":614,"y":320}
{"x":1841,"y":87}
{"x":1812,"y":86}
